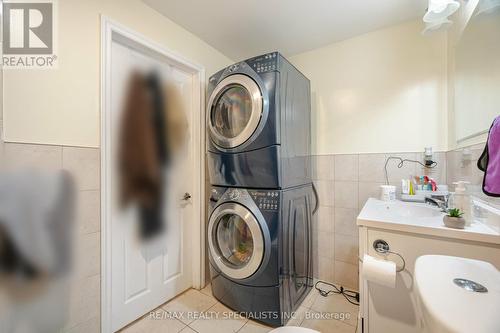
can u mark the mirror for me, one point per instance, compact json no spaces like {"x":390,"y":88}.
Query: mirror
{"x":477,"y":73}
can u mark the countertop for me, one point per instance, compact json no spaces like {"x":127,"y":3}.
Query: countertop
{"x":420,"y":219}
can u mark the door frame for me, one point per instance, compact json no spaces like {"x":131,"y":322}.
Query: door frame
{"x":112,"y":31}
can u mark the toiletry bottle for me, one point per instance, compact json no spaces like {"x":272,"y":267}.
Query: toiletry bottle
{"x":405,"y":186}
{"x":461,"y":199}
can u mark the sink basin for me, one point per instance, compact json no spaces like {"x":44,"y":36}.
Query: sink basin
{"x":399,"y":210}
{"x":457,"y":294}
{"x":410,"y":210}
{"x":422,"y":219}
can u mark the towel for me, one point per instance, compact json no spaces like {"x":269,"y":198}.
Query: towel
{"x":489,"y":162}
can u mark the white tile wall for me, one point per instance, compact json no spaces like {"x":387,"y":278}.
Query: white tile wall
{"x":346,"y":167}
{"x":323,"y":167}
{"x":369,"y":167}
{"x":18,"y":155}
{"x":344,"y":218}
{"x":356,"y":178}
{"x":346,"y":194}
{"x":346,"y":274}
{"x":462,"y":165}
{"x":88,"y":217}
{"x":326,"y":219}
{"x":326,"y":246}
{"x":346,"y":248}
{"x":368,"y":190}
{"x":325,"y":190}
{"x":83,"y":164}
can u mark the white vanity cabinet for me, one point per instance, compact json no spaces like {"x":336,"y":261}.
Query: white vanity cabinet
{"x":394,"y":310}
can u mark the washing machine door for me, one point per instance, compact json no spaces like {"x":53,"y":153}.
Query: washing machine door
{"x":235,"y":240}
{"x":235,"y":110}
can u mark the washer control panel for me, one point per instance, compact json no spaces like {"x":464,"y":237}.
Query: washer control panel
{"x":266,"y":200}
{"x":234,"y":194}
{"x":265,"y":63}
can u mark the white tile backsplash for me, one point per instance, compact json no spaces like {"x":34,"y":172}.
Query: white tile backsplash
{"x":371,"y":167}
{"x":345,"y":221}
{"x":366,"y":191}
{"x":439,"y":172}
{"x":346,"y":194}
{"x":356,"y":178}
{"x":346,"y":167}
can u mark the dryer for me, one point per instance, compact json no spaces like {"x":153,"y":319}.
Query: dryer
{"x":259,"y":126}
{"x":260,"y":250}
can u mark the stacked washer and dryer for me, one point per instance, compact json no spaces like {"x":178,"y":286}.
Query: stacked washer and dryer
{"x":261,"y":200}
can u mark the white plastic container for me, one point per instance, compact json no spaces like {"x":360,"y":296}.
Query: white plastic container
{"x":387,"y":192}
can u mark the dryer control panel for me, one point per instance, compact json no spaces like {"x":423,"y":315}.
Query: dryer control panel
{"x":265,"y":63}
{"x":266,"y":200}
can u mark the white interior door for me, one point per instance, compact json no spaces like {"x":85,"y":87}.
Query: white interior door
{"x":146,"y":275}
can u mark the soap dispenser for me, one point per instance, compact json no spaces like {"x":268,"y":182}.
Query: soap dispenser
{"x":461,"y":199}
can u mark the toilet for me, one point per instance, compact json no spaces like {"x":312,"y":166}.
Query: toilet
{"x":457,"y":295}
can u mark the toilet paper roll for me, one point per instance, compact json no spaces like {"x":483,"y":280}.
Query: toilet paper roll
{"x":382,"y":272}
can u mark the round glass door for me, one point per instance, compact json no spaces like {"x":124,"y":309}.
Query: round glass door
{"x":235,"y":111}
{"x":235,"y":241}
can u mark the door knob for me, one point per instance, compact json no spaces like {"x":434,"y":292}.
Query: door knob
{"x":186,"y":196}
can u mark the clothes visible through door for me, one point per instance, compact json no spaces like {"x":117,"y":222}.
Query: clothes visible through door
{"x":152,"y":130}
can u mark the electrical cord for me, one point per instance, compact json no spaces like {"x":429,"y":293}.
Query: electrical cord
{"x":401,"y":163}
{"x":349,"y":295}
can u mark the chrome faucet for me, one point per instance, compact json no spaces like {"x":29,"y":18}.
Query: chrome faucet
{"x":440,"y":203}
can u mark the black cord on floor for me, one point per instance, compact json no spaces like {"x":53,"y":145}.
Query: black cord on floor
{"x":350,"y":295}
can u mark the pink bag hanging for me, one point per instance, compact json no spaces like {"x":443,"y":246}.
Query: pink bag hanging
{"x":489,"y":162}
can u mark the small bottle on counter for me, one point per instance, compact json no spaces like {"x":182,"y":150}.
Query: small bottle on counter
{"x":461,"y":199}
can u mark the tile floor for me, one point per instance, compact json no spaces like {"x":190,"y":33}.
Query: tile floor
{"x":202,"y":313}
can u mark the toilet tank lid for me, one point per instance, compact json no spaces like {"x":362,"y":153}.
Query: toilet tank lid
{"x":450,"y":307}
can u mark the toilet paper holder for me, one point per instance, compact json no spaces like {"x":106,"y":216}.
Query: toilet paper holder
{"x":382,"y":247}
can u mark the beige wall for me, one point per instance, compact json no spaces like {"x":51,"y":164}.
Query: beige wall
{"x":61,"y":106}
{"x":384,"y":91}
